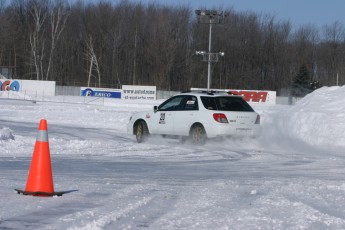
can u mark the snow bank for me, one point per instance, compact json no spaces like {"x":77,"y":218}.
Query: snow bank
{"x":272,"y":182}
{"x":318,"y":119}
{"x":6,"y":134}
{"x":14,"y":95}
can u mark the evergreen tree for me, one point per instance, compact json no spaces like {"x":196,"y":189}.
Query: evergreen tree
{"x":303,"y":78}
{"x":315,"y":85}
{"x":302,"y":83}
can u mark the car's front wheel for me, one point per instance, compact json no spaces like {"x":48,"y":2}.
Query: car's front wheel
{"x":198,"y":134}
{"x":141,"y":131}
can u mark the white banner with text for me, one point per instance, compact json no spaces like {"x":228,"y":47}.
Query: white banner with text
{"x":138,"y":92}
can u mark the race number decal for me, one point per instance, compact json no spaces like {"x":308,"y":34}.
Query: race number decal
{"x":162,"y":119}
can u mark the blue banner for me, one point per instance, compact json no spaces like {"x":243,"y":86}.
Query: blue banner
{"x":96,"y":93}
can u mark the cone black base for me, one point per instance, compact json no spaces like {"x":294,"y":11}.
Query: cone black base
{"x":38,"y":193}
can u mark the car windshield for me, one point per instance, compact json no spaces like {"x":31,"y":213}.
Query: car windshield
{"x":226,"y":103}
{"x":180,"y":103}
{"x":171,"y":104}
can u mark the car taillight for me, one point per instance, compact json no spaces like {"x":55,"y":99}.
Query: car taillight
{"x":220,"y":117}
{"x":257,"y":121}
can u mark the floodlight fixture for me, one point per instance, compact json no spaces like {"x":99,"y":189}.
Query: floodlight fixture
{"x":210,"y":17}
{"x":209,"y":57}
{"x":200,"y":52}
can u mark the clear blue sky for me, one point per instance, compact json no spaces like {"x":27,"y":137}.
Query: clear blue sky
{"x":299,"y":12}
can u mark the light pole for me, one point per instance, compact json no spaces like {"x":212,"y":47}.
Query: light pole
{"x":210,"y":17}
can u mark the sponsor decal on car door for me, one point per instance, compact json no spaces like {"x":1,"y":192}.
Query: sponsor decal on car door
{"x":163,"y":119}
{"x":162,"y":122}
{"x":184,"y":118}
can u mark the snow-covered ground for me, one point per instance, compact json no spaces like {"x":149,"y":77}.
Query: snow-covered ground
{"x":291,"y":177}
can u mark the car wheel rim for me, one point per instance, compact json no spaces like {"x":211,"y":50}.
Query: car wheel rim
{"x":198,"y":134}
{"x":139,"y":132}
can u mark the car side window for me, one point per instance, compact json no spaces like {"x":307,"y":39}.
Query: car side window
{"x":190,"y":103}
{"x":233,"y":104}
{"x":172,"y":104}
{"x":209,"y":103}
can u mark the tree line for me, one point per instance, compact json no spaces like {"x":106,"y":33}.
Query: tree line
{"x":104,"y":44}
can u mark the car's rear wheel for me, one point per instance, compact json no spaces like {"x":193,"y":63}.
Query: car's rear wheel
{"x":141,"y":131}
{"x":198,"y":134}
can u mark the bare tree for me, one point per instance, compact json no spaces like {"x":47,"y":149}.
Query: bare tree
{"x":2,"y":5}
{"x":136,"y":43}
{"x":334,"y":36}
{"x":37,"y":40}
{"x":92,"y":59}
{"x":306,"y":40}
{"x":58,"y":20}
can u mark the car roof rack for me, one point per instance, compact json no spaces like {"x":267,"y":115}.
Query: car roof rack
{"x":199,"y":91}
{"x":210,"y":92}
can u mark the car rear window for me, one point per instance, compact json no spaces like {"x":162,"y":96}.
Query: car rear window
{"x":226,"y":104}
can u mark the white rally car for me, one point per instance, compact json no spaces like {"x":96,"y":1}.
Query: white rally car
{"x":198,"y":116}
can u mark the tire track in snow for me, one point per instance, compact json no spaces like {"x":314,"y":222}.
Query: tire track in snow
{"x":318,"y":208}
{"x":103,"y":220}
{"x":147,"y":214}
{"x":147,"y":204}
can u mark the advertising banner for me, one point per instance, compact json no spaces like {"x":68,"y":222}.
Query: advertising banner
{"x":30,"y":87}
{"x":138,"y":92}
{"x":9,"y":85}
{"x":252,"y":96}
{"x":100,"y":92}
{"x":257,"y":97}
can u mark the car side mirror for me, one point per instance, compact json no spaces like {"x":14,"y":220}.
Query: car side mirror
{"x":155,"y":108}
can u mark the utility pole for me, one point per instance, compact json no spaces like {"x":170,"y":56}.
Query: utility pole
{"x":210,"y":17}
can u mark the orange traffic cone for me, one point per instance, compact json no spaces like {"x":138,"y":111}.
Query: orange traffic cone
{"x":40,"y":178}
